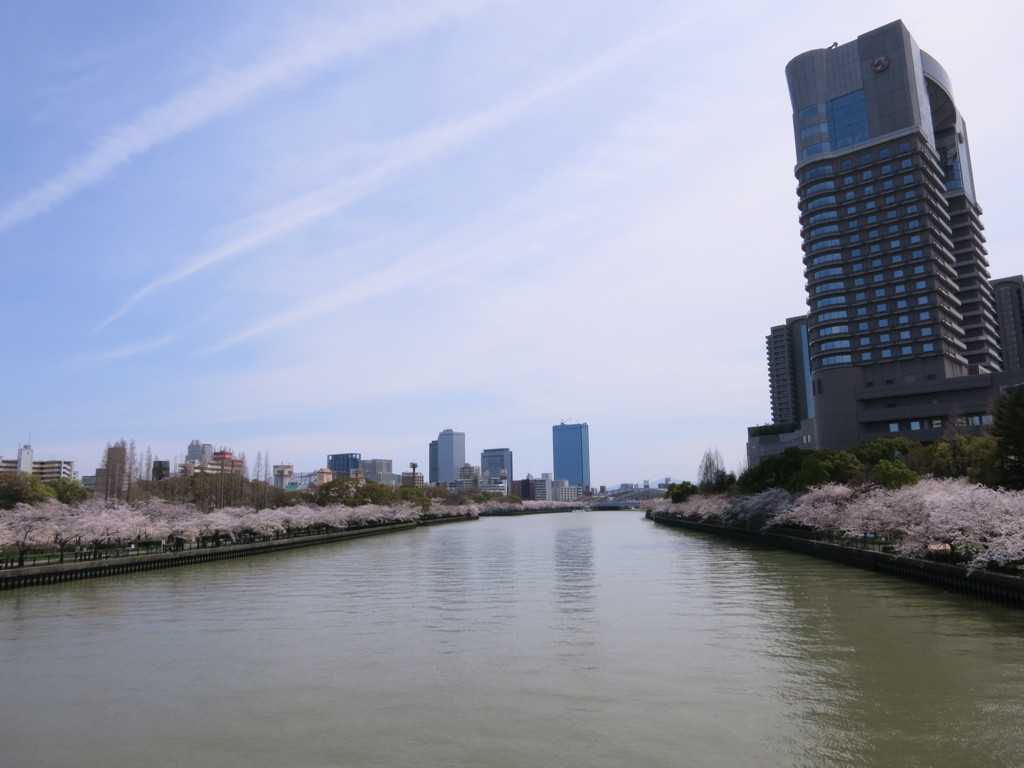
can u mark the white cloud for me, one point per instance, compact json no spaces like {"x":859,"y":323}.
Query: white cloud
{"x":398,"y":156}
{"x":321,"y":47}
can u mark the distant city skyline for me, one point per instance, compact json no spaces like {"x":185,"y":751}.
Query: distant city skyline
{"x":302,"y":228}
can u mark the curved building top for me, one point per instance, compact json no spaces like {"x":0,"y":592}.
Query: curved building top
{"x":879,"y":85}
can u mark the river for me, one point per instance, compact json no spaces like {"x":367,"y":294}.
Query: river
{"x":586,"y":639}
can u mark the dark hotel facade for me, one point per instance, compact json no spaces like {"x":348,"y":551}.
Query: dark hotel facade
{"x":902,"y":334}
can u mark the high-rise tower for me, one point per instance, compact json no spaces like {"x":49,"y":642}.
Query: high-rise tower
{"x":451,"y":455}
{"x":497,"y":463}
{"x":901,"y":329}
{"x":571,"y":451}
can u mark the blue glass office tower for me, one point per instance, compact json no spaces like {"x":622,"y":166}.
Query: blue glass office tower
{"x":497,"y":462}
{"x":571,"y":449}
{"x":342,"y":464}
{"x":451,"y":455}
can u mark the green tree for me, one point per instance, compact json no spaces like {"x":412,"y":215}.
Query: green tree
{"x":711,"y":474}
{"x":414,"y":495}
{"x":822,"y":467}
{"x":67,"y":491}
{"x":680,"y":492}
{"x":948,"y":458}
{"x":352,"y":492}
{"x":773,"y":471}
{"x":22,"y":488}
{"x":375,"y":493}
{"x":340,"y":491}
{"x":886,"y":448}
{"x":983,"y":461}
{"x":893,"y":474}
{"x":1008,"y":431}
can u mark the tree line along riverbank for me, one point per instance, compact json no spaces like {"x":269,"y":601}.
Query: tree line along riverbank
{"x":949,"y":532}
{"x":53,"y":542}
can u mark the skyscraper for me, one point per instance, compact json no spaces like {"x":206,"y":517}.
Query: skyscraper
{"x":901,"y":331}
{"x":497,"y":462}
{"x":789,"y":373}
{"x":342,"y":464}
{"x":1010,"y":313}
{"x":432,"y":462}
{"x":571,"y":451}
{"x":451,"y":455}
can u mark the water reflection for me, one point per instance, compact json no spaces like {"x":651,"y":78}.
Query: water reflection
{"x":588,"y":639}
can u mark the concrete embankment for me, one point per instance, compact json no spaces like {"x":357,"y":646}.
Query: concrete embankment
{"x":987,"y":584}
{"x":36,"y":575}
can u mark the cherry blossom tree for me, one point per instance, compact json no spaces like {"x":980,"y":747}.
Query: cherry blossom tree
{"x":24,"y":527}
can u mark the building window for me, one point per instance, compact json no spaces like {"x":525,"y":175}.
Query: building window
{"x":915,"y":426}
{"x":894,"y":426}
{"x":830,"y":301}
{"x":826,"y":287}
{"x":837,"y":360}
{"x":828,"y":229}
{"x":837,"y":315}
{"x":821,"y":201}
{"x":838,"y":344}
{"x":820,"y":170}
{"x":825,"y":258}
{"x":830,"y":272}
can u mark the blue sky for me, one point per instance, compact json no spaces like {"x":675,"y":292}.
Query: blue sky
{"x":325,"y":227}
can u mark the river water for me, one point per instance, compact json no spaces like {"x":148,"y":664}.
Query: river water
{"x":583,"y":639}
